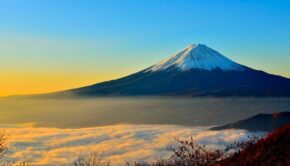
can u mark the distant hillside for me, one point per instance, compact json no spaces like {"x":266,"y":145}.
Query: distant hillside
{"x":260,"y":122}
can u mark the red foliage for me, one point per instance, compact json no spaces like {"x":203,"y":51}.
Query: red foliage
{"x":271,"y":150}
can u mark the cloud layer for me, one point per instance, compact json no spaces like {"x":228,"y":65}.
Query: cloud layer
{"x":120,"y":143}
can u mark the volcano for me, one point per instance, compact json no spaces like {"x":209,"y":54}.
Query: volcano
{"x":196,"y":70}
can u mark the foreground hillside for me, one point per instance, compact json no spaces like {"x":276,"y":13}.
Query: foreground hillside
{"x":271,"y":150}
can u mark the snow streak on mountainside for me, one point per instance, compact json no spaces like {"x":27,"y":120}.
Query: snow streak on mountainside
{"x":197,"y":56}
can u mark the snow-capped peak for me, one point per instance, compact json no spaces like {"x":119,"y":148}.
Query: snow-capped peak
{"x":197,"y":56}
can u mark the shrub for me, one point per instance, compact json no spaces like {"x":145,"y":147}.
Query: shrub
{"x":94,"y":159}
{"x":3,"y":144}
{"x":188,"y":153}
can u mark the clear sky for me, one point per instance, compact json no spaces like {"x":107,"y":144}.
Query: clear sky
{"x":49,"y":45}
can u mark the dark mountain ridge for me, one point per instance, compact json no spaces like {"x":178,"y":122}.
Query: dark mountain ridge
{"x":260,"y":122}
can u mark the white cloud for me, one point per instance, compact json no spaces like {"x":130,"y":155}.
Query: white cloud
{"x":120,"y":143}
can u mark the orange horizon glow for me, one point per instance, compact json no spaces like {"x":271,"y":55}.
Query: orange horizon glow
{"x":36,"y":83}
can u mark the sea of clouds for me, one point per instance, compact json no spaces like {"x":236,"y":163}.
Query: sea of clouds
{"x":117,"y":143}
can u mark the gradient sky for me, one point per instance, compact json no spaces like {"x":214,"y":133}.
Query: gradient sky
{"x":50,"y":45}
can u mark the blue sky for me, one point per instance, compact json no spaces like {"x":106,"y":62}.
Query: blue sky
{"x":99,"y":40}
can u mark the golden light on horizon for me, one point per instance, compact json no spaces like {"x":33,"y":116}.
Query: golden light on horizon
{"x":13,"y":83}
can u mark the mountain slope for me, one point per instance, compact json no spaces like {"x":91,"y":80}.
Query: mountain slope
{"x":194,"y":71}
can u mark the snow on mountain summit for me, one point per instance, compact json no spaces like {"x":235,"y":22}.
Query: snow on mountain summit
{"x":197,"y":56}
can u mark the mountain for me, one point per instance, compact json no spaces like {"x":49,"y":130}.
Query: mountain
{"x":196,"y":70}
{"x":260,"y":122}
